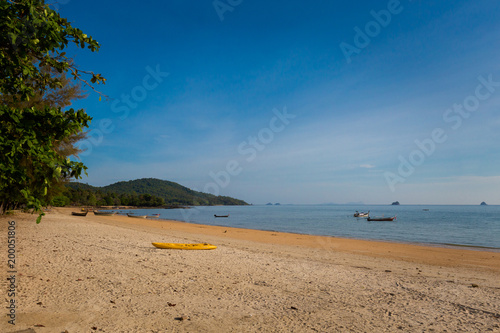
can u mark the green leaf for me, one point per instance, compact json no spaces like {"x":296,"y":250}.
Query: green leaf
{"x":31,"y":164}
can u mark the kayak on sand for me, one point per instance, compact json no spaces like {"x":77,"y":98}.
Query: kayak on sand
{"x":180,"y":246}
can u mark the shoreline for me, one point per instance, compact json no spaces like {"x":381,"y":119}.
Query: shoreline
{"x":97,"y":273}
{"x":438,"y":245}
{"x":406,"y":232}
{"x":410,"y":252}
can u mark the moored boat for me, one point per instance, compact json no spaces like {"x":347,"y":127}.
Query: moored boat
{"x":381,"y":218}
{"x":79,"y":213}
{"x":221,"y":215}
{"x":96,"y":212}
{"x":362,"y":214}
{"x":137,"y":216}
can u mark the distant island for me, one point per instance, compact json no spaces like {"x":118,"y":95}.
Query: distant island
{"x":484,"y":204}
{"x":395,"y":203}
{"x":146,"y":192}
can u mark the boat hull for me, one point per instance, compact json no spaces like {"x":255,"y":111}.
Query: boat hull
{"x":104,"y":213}
{"x":137,"y":216}
{"x":381,"y":218}
{"x":362,"y":214}
{"x":79,"y":214}
{"x":181,"y":246}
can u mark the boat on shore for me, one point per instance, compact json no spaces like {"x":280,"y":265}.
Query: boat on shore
{"x":79,"y":213}
{"x":381,"y":218}
{"x":137,"y":216}
{"x":96,"y":212}
{"x":362,"y":214}
{"x":180,"y":246}
{"x":215,"y":215}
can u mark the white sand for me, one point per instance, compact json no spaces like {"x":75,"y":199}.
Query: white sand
{"x":101,"y":274}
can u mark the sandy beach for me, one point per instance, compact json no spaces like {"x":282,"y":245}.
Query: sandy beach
{"x":101,"y":274}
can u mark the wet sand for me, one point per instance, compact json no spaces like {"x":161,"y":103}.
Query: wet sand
{"x":86,"y":274}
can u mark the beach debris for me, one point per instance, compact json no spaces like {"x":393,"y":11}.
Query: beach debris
{"x":388,"y":271}
{"x":473,"y":285}
{"x":39,"y":303}
{"x":293,"y":308}
{"x":182,"y":318}
{"x":171,"y":304}
{"x":39,"y":325}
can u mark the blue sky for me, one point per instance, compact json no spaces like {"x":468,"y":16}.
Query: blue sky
{"x":295,"y":102}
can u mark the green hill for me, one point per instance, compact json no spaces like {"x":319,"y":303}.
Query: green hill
{"x":150,"y":189}
{"x":82,"y":187}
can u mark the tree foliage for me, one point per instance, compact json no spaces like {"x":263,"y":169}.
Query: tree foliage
{"x":34,"y":36}
{"x":97,"y":197}
{"x":54,"y":98}
{"x":35,"y":136}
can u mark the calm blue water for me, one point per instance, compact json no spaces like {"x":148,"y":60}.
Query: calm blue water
{"x":442,"y":225}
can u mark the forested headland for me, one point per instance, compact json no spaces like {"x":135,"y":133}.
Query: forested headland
{"x":146,"y":192}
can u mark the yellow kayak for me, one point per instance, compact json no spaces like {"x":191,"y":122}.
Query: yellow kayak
{"x":180,"y":246}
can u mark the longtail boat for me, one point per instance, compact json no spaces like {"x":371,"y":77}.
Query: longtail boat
{"x":79,"y":213}
{"x":104,"y":213}
{"x":137,"y":216}
{"x":381,"y":218}
{"x":362,"y":214}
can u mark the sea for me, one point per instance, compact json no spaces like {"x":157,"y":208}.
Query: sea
{"x":447,"y":225}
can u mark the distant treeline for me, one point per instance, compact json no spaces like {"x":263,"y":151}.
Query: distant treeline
{"x":80,"y":197}
{"x":148,"y":192}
